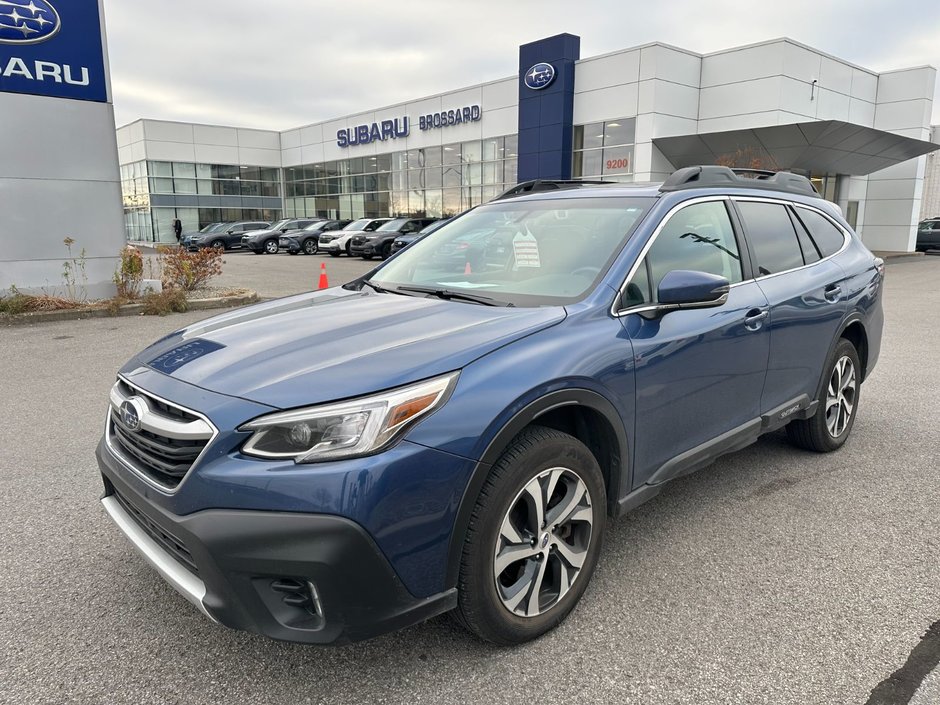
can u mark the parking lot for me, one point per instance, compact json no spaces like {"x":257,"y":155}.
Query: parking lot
{"x":773,"y":576}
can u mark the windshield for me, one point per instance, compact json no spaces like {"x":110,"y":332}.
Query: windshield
{"x":358,"y":224}
{"x":529,"y":253}
{"x":212,"y":227}
{"x":316,"y":225}
{"x":393,"y":224}
{"x":280,"y":224}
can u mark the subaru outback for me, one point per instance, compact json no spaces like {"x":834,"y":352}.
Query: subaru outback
{"x":434,"y":437}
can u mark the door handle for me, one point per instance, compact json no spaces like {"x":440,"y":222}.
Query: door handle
{"x":832,"y":293}
{"x":755,"y":318}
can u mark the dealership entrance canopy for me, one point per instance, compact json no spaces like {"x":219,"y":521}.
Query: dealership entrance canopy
{"x":822,"y":146}
{"x":630,"y":115}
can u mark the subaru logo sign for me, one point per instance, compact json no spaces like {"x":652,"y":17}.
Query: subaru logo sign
{"x":539,"y":76}
{"x":28,"y":23}
{"x":131,"y":411}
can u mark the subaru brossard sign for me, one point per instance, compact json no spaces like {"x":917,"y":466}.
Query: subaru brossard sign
{"x":52,"y":48}
{"x":401,"y":127}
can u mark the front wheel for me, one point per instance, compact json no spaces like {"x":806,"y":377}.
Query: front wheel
{"x":534,"y":538}
{"x":271,"y":247}
{"x":310,"y":247}
{"x":829,"y":427}
{"x":218,"y":244}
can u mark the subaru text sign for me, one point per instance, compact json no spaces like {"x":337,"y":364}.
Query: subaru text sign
{"x":52,"y":48}
{"x":539,"y":76}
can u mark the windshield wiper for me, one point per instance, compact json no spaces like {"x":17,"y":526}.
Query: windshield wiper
{"x":448,"y":294}
{"x":381,"y":289}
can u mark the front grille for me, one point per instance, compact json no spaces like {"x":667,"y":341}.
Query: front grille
{"x":170,"y":543}
{"x":358,"y":240}
{"x":167,"y":442}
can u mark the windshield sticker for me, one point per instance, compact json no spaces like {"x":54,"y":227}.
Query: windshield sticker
{"x":526,"y":250}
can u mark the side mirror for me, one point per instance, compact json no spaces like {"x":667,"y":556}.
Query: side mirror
{"x":683,"y":288}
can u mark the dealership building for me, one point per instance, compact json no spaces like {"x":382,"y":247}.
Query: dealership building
{"x":630,"y":115}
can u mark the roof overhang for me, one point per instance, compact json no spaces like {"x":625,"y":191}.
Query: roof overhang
{"x":824,"y":146}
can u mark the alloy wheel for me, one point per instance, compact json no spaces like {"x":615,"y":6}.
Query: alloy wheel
{"x":271,"y":247}
{"x":543,"y":542}
{"x":840,"y":396}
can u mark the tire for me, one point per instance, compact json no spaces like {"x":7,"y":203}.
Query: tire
{"x":310,"y":247}
{"x":387,"y":251}
{"x":519,"y":600}
{"x":271,"y":247}
{"x":825,"y":432}
{"x":257,"y":252}
{"x":334,"y":254}
{"x":348,"y":250}
{"x":218,"y":244}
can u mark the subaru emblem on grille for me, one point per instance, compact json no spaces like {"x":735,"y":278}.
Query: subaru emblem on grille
{"x":131,"y":411}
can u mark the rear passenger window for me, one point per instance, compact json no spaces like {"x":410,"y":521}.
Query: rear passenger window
{"x":771,"y":236}
{"x":829,"y":239}
{"x":698,"y":238}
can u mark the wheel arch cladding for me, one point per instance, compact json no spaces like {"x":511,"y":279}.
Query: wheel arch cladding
{"x":581,"y":413}
{"x":855,"y":333}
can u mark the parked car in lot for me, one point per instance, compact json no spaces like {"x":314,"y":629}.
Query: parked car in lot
{"x":267,"y":241}
{"x":928,"y":235}
{"x":306,"y":240}
{"x":227,"y":237}
{"x":336,"y":242}
{"x":379,"y":243}
{"x":402,"y":241}
{"x":187,"y":237}
{"x":342,"y":463}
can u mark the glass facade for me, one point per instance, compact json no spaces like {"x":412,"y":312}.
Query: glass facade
{"x":432,"y":182}
{"x":604,"y":149}
{"x":155,"y":193}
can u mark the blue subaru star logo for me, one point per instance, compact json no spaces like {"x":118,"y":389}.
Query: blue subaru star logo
{"x":539,"y":76}
{"x":28,"y":22}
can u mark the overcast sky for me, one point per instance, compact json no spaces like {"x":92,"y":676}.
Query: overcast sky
{"x":289,"y":63}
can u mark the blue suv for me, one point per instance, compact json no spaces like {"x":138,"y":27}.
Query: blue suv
{"x":444,"y":435}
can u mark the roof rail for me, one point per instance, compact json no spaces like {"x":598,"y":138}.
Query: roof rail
{"x":722,"y":176}
{"x":538,"y":185}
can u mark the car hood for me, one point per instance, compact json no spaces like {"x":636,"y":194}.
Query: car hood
{"x":254,"y":234}
{"x":334,"y":344}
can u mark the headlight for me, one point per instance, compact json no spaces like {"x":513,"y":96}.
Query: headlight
{"x":346,"y":429}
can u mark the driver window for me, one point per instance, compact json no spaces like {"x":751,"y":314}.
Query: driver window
{"x":698,"y":238}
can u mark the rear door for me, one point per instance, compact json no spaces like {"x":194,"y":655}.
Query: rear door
{"x":805,"y":289}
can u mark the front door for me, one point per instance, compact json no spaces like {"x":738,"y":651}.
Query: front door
{"x":699,"y":372}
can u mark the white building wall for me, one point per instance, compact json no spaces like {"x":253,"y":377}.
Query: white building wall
{"x":498,"y":101}
{"x":930,"y":202}
{"x":904,"y":104}
{"x":161,"y":140}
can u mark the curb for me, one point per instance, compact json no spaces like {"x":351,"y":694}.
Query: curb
{"x":77,"y":314}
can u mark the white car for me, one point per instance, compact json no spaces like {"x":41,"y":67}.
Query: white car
{"x":336,"y":242}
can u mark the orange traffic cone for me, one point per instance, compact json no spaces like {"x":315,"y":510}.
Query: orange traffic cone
{"x":467,"y":269}
{"x":324,"y":282}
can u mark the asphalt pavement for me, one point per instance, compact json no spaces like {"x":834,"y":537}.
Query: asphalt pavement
{"x":773,"y":576}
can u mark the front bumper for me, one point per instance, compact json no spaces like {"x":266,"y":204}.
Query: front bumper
{"x":366,"y":248}
{"x":244,"y":563}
